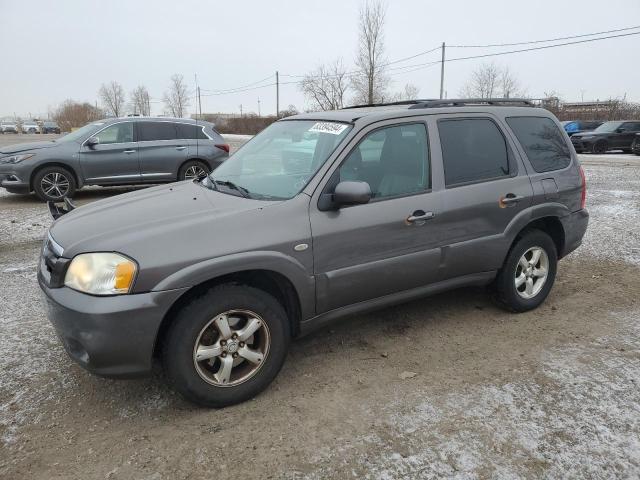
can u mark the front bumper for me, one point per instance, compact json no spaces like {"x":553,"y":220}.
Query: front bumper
{"x":575,"y":226}
{"x":109,"y":336}
{"x":581,"y":145}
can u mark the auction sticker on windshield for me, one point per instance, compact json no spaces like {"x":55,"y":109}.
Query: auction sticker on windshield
{"x":329,"y":127}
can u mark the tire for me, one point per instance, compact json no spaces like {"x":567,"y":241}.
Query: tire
{"x":190,"y":170}
{"x":518,"y":298}
{"x":194,"y":328}
{"x":48,"y":176}
{"x":599,"y":147}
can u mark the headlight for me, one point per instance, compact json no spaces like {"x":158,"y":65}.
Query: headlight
{"x":16,"y":158}
{"x":101,"y":273}
{"x":587,"y":137}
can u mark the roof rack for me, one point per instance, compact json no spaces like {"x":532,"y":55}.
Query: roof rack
{"x":390,"y":104}
{"x":465,"y":102}
{"x":451,"y":102}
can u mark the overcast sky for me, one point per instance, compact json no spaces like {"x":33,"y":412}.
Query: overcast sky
{"x":54,"y":50}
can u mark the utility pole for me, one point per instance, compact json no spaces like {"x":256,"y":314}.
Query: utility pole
{"x":277,"y":95}
{"x":442,"y":73}
{"x":240,"y":110}
{"x":259,"y":106}
{"x":199,"y":104}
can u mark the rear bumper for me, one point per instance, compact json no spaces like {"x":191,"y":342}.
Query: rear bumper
{"x":109,"y":336}
{"x":575,"y":226}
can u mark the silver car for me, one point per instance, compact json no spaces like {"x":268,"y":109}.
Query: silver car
{"x":117,"y":151}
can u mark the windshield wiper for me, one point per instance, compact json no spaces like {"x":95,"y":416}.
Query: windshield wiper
{"x":243,"y":191}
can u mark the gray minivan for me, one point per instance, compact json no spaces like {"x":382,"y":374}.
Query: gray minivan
{"x":116,"y":151}
{"x":320,"y":216}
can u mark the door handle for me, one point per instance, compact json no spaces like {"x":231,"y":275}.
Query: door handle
{"x":509,"y":199}
{"x":180,"y":148}
{"x":129,"y":151}
{"x":420,"y":216}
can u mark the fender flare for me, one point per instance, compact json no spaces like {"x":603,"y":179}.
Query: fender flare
{"x":289,"y":267}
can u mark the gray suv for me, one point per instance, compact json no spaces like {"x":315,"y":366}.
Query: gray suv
{"x":320,"y":216}
{"x":117,"y":151}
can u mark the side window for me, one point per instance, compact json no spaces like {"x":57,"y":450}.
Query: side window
{"x":150,"y":131}
{"x":472,"y":150}
{"x":632,"y":126}
{"x":190,"y":132}
{"x":117,"y":133}
{"x":543,"y":142}
{"x":394,"y":161}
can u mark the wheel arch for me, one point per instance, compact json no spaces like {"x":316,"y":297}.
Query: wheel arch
{"x":192,"y":159}
{"x":63,"y":165}
{"x":551,"y":225}
{"x":270,"y":281}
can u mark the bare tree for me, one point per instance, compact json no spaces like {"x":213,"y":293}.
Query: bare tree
{"x":510,"y":85}
{"x":113,"y":98}
{"x":410,"y":92}
{"x":326,"y":87}
{"x":141,"y":101}
{"x":484,"y":82}
{"x":371,"y":82}
{"x":176,"y":99}
{"x":71,"y":114}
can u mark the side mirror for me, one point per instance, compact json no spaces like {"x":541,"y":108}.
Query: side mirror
{"x":92,"y":141}
{"x":351,"y":193}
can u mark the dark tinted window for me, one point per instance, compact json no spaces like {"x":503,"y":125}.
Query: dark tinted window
{"x":393,"y":161}
{"x":472,"y":150}
{"x":190,"y":132}
{"x":631,"y":126}
{"x":590,"y":125}
{"x":543,"y":142}
{"x":148,"y":131}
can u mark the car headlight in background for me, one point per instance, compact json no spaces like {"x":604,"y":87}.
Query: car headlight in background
{"x":587,"y":137}
{"x":101,"y":273}
{"x":16,"y":158}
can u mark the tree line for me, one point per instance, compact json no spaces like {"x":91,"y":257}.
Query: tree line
{"x":114,"y":103}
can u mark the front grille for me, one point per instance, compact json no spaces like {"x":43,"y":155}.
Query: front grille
{"x":53,"y":265}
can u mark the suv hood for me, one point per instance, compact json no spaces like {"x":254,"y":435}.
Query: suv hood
{"x":23,"y":147}
{"x":137,"y":222}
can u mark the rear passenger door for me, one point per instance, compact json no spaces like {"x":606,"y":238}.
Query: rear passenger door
{"x":161,"y":151}
{"x":486,"y":187}
{"x":628,"y":134}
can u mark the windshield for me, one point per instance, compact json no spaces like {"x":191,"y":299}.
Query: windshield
{"x":607,"y":127}
{"x":278,"y":162}
{"x":81,"y":134}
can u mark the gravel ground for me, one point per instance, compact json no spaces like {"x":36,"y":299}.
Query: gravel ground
{"x":551,"y":393}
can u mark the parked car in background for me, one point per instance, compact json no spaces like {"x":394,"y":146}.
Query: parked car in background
{"x":216,"y":276}
{"x":117,"y":151}
{"x":635,"y":147}
{"x":9,"y":127}
{"x":50,"y":127}
{"x":30,"y":126}
{"x":579,"y":126}
{"x":615,"y":135}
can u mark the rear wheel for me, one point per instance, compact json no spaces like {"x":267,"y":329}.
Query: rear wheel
{"x":193,"y":169}
{"x":226,"y":346}
{"x":599,"y":147}
{"x":54,"y":183}
{"x":528,"y":273}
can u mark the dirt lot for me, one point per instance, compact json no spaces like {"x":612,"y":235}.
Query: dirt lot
{"x":551,"y":393}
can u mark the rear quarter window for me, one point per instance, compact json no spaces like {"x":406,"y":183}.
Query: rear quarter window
{"x":542,"y":141}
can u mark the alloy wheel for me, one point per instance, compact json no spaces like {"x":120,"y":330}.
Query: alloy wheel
{"x":531,"y":272}
{"x":55,"y":184}
{"x":194,"y":171}
{"x":231,"y":348}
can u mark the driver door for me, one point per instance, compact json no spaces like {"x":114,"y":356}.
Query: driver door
{"x":390,"y":244}
{"x":114,"y":160}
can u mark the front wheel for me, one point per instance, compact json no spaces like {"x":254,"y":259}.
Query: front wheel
{"x":54,"y":183}
{"x":599,"y":147}
{"x":226,"y":346}
{"x":193,"y":169}
{"x":528,"y":273}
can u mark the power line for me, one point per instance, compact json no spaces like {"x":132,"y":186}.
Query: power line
{"x":238,"y":90}
{"x":240,"y":87}
{"x":543,"y":41}
{"x":540,"y":48}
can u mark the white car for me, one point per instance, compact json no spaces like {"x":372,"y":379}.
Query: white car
{"x":8,"y":127}
{"x":30,"y":127}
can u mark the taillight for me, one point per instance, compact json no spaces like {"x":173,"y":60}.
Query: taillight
{"x":223,"y":146}
{"x":583,"y":197}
